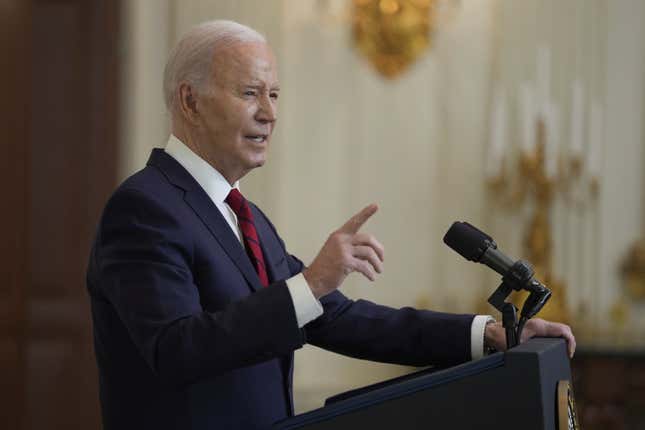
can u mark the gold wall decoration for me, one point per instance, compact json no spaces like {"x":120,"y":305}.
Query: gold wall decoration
{"x":633,"y":271}
{"x":392,"y":34}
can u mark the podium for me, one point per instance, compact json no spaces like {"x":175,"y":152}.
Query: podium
{"x":511,"y":390}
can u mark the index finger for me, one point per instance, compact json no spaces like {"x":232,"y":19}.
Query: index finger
{"x":356,"y":222}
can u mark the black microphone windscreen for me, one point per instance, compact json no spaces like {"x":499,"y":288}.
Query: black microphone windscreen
{"x":470,"y":242}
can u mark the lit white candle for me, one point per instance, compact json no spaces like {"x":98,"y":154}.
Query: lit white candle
{"x":497,"y":144}
{"x":543,"y":78}
{"x":577,"y":119}
{"x":527,"y":104}
{"x":596,"y":139}
{"x":552,"y":137}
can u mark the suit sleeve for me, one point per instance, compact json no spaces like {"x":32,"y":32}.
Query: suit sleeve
{"x":144,"y":270}
{"x":365,"y":330}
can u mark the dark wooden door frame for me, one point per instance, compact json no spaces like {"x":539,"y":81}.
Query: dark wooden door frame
{"x":28,"y":316}
{"x":15,"y":25}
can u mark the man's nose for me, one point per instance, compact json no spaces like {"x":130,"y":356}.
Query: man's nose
{"x":266,"y":110}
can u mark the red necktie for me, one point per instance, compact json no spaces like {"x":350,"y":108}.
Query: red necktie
{"x":240,"y":206}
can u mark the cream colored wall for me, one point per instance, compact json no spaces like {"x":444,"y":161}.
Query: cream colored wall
{"x":147,"y":28}
{"x":350,"y":137}
{"x":415,"y":145}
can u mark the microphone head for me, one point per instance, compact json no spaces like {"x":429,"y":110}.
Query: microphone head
{"x":468,"y":241}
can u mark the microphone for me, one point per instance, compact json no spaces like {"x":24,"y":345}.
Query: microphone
{"x":475,"y":245}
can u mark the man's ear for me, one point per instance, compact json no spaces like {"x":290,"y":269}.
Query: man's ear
{"x":188,"y":103}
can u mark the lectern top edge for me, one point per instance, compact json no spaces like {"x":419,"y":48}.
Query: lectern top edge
{"x":394,"y":389}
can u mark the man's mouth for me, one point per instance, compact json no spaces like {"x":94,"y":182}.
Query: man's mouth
{"x":257,"y":138}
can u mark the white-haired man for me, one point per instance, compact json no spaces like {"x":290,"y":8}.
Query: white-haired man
{"x":197,"y":306}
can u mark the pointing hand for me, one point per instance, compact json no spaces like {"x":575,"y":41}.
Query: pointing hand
{"x":346,"y":250}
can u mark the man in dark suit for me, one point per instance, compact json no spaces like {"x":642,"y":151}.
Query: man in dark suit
{"x":197,"y":305}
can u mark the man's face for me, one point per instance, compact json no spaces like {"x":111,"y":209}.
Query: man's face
{"x":238,"y":112}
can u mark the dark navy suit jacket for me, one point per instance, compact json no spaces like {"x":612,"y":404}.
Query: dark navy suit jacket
{"x":185,"y":335}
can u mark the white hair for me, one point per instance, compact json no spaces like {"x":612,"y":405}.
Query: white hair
{"x":192,"y":58}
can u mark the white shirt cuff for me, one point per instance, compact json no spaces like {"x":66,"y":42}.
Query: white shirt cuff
{"x":307,"y":307}
{"x":477,"y":335}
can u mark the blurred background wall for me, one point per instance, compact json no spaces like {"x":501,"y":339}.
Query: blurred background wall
{"x":523,"y":118}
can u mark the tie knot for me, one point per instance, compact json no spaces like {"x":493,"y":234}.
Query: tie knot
{"x":235,"y":200}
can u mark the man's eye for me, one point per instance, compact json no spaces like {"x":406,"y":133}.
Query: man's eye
{"x":249,"y":93}
{"x":274,"y":96}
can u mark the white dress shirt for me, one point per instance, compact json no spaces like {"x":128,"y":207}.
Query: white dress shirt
{"x":307,"y":307}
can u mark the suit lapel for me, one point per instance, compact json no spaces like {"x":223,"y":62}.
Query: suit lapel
{"x":206,"y":210}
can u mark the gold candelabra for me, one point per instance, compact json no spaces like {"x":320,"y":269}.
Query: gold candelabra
{"x":533,"y":182}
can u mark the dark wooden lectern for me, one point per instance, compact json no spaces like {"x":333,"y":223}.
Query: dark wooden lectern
{"x":513,"y":390}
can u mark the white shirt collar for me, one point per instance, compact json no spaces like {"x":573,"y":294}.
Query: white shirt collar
{"x":212,"y":181}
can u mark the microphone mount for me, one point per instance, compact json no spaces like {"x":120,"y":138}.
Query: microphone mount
{"x":518,"y":277}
